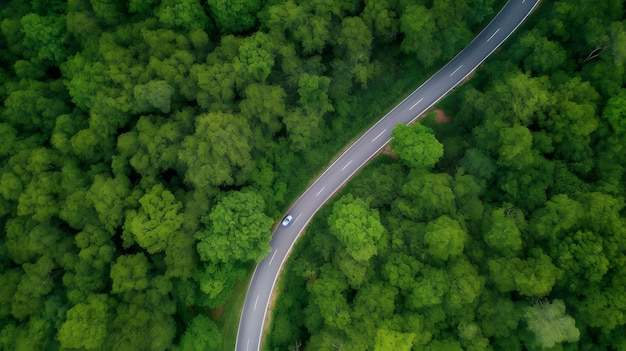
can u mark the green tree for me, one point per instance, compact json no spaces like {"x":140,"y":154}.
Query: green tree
{"x":400,"y":270}
{"x":427,"y":196}
{"x":429,"y":288}
{"x":542,"y":55}
{"x":445,"y":238}
{"x":110,"y":197}
{"x":86,"y":323}
{"x":265,"y":103}
{"x":157,"y":220}
{"x":357,"y":227}
{"x":392,"y":340}
{"x":186,"y":14}
{"x":256,"y":54}
{"x":416,"y":145}
{"x":380,"y":18}
{"x":498,"y":316}
{"x":615,"y":112}
{"x":129,"y":273}
{"x":328,"y":301}
{"x":516,"y":144}
{"x":354,"y":44}
{"x":304,"y":128}
{"x":27,"y":240}
{"x":201,"y":334}
{"x":110,"y":12}
{"x":145,"y":322}
{"x":582,"y":257}
{"x":312,"y":90}
{"x":216,"y":281}
{"x":37,"y":282}
{"x":219,"y":152}
{"x":153,"y":96}
{"x":419,"y":28}
{"x":33,"y":106}
{"x":533,"y":277}
{"x":504,"y":234}
{"x":45,"y":38}
{"x":237,"y":229}
{"x":89,"y":273}
{"x":518,"y":99}
{"x":466,"y":285}
{"x":234,"y":16}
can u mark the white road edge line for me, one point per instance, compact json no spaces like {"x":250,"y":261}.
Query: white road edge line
{"x":347,"y":164}
{"x":378,"y":136}
{"x":494,"y":34}
{"x":255,"y":302}
{"x":415,"y":104}
{"x":456,"y":70}
{"x":319,"y":192}
{"x":272,"y":259}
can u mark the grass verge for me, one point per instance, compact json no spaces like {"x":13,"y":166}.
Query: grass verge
{"x":228,"y":322}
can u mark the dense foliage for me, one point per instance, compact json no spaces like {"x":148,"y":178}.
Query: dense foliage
{"x":146,"y":146}
{"x":515,"y":240}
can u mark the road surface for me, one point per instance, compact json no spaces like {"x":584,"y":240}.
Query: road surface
{"x":255,"y":307}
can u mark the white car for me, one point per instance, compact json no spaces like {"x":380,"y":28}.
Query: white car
{"x":287,"y":220}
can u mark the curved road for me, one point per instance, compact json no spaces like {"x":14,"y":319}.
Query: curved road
{"x":350,"y":161}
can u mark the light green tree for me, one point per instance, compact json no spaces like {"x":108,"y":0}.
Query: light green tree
{"x":550,"y":324}
{"x":157,"y":220}
{"x":419,"y":28}
{"x":86,"y":323}
{"x":237,"y":229}
{"x":357,"y":227}
{"x":445,"y":238}
{"x":504,"y":235}
{"x":130,"y":273}
{"x":416,"y":145}
{"x":392,"y":340}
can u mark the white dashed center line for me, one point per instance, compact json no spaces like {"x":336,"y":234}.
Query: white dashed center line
{"x":415,"y":104}
{"x":319,"y":192}
{"x":272,"y":259}
{"x":492,"y":35}
{"x":456,"y":70}
{"x":347,"y":164}
{"x":378,"y":136}
{"x":257,"y":301}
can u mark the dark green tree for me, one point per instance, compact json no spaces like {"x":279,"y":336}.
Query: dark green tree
{"x":234,"y":16}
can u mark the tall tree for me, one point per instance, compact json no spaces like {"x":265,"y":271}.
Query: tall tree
{"x":219,"y":152}
{"x":357,"y":227}
{"x":86,"y":323}
{"x":157,"y":221}
{"x":419,"y":28}
{"x":234,"y":16}
{"x":445,"y":238}
{"x":417,"y":146}
{"x":237,"y":229}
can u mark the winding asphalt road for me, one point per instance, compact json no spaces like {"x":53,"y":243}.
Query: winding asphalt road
{"x":255,"y":308}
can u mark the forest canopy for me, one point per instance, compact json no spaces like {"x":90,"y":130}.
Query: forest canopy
{"x":147,"y":148}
